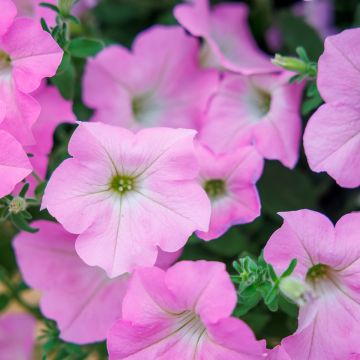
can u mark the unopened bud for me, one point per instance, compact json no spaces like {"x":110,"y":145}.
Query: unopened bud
{"x":296,"y":290}
{"x":290,"y":63}
{"x":17,"y":205}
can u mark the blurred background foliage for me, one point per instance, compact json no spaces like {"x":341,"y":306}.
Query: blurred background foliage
{"x":280,"y":189}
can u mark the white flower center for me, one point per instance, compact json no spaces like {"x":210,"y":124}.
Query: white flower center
{"x":191,"y":328}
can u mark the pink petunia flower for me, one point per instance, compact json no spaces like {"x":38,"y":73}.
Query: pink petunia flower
{"x":183,"y":313}
{"x":14,"y":163}
{"x":229,"y":180}
{"x":117,"y":180}
{"x":228,"y":44}
{"x":329,"y":262}
{"x":27,"y":55}
{"x":82,"y":299}
{"x":262,"y":110}
{"x":332,"y":136}
{"x":158,"y":83}
{"x":17,"y":336}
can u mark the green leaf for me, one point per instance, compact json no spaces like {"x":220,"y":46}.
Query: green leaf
{"x":302,"y":54}
{"x":65,"y":82}
{"x":272,"y":273}
{"x":289,"y":269}
{"x":231,"y":244}
{"x":271,"y":295}
{"x":282,"y":189}
{"x":288,"y":307}
{"x":20,"y":222}
{"x":44,"y":25}
{"x":297,"y":32}
{"x":50,"y":6}
{"x":24,"y":190}
{"x":311,"y":104}
{"x":39,"y":191}
{"x":244,"y":307}
{"x":84,"y":47}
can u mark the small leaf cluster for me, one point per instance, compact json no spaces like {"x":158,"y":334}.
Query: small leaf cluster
{"x":15,"y":208}
{"x":255,"y":281}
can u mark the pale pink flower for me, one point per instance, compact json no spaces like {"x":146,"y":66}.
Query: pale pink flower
{"x":14,"y":163}
{"x":7,"y":15}
{"x":82,"y":299}
{"x":329,"y":262}
{"x":262,"y":110}
{"x":229,"y":180}
{"x":126,"y":194}
{"x":27,"y":55}
{"x":332,"y":136}
{"x":228,"y":43}
{"x":157,"y":83}
{"x":183,"y":313}
{"x":17,"y":336}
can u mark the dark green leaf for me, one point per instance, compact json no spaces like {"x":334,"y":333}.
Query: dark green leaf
{"x":65,"y":82}
{"x":20,"y":222}
{"x":84,"y":47}
{"x":50,"y":6}
{"x":297,"y":32}
{"x":282,"y":189}
{"x":44,"y":25}
{"x":24,"y":190}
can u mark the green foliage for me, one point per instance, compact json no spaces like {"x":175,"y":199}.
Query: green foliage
{"x":257,"y":281}
{"x":15,"y":209}
{"x":84,"y":47}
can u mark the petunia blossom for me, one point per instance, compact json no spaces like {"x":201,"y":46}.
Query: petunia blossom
{"x":228,"y":43}
{"x":157,"y":83}
{"x":82,"y":299}
{"x":329,"y":262}
{"x":17,"y":336}
{"x":117,"y":180}
{"x":229,"y":180}
{"x":14,"y":163}
{"x":332,"y":136}
{"x":262,"y":110}
{"x":182,"y":313}
{"x":28,"y":54}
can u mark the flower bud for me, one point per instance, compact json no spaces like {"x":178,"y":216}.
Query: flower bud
{"x":17,"y":205}
{"x":296,"y":290}
{"x":290,"y":63}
